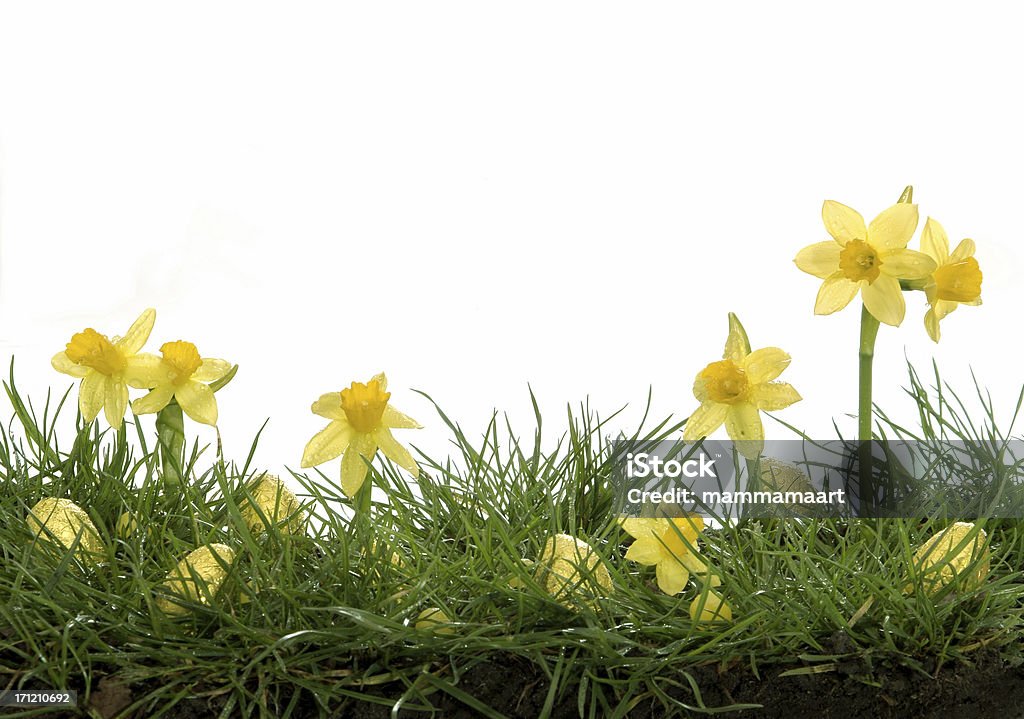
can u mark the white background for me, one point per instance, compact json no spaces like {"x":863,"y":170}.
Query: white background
{"x":474,"y":197}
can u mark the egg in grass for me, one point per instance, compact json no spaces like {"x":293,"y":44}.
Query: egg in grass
{"x":66,"y":525}
{"x":196,"y":579}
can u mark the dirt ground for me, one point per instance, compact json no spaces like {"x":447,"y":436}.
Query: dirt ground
{"x":988,"y":688}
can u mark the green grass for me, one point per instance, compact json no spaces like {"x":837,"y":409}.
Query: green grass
{"x":318,"y":620}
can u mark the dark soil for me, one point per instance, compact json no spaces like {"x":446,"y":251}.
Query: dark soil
{"x":515,"y":687}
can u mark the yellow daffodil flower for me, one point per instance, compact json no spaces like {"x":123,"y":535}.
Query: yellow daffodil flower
{"x":735,"y":389}
{"x":106,"y":368}
{"x":669,"y":544}
{"x":956,"y":279}
{"x":180,"y":375}
{"x":361,"y":422}
{"x":868,"y":259}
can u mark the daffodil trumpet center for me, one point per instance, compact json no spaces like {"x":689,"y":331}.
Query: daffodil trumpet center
{"x":725,"y":382}
{"x":364,"y":405}
{"x":182,"y":358}
{"x":859,"y":261}
{"x":91,"y":349}
{"x":958,"y":281}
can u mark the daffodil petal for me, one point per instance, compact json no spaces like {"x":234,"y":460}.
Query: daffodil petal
{"x":765,"y":364}
{"x":197,"y":401}
{"x":327,"y":444}
{"x":842,"y":222}
{"x":884,"y":300}
{"x":681,"y":537}
{"x":353,"y":471}
{"x":894,"y":227}
{"x":835,"y":293}
{"x":155,"y":401}
{"x":115,"y":402}
{"x":329,"y":406}
{"x":644,"y":527}
{"x":694,"y":563}
{"x":705,"y":420}
{"x":91,"y":395}
{"x":931,"y":324}
{"x":672,"y":576}
{"x":365,"y":444}
{"x":700,"y":390}
{"x":965,"y":249}
{"x":395,"y":451}
{"x":382,"y":381}
{"x":943,"y":308}
{"x":934,"y":241}
{"x":211,"y":370}
{"x":820,"y":259}
{"x":737,"y":345}
{"x":138,"y":333}
{"x":743,"y":424}
{"x":906,"y":264}
{"x":646,"y":551}
{"x":772,"y":396}
{"x":689,"y":527}
{"x":396,"y":420}
{"x":145,"y":371}
{"x":63,"y":364}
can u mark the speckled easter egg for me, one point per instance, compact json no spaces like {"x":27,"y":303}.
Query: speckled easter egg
{"x":277,"y":504}
{"x":197,"y":578}
{"x":937,"y":562}
{"x":61,"y":522}
{"x":562,"y":559}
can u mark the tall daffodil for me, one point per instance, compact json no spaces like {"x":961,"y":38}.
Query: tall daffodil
{"x":361,"y":422}
{"x":670,"y":545}
{"x":180,"y":375}
{"x":107,"y":366}
{"x":870,"y":259}
{"x":956,"y":279}
{"x":735,"y":389}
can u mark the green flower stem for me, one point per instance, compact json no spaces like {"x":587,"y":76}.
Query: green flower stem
{"x":170,"y":429}
{"x":753,"y":480}
{"x":868,"y":333}
{"x":364,"y":497}
{"x":362,"y":522}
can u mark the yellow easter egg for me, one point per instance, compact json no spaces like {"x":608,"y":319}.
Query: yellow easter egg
{"x":197,"y":578}
{"x":715,"y":609}
{"x":516,"y":582}
{"x":126,"y":525}
{"x":61,"y":522}
{"x":937,"y":562}
{"x":277,"y":504}
{"x":434,"y":620}
{"x":562,"y":559}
